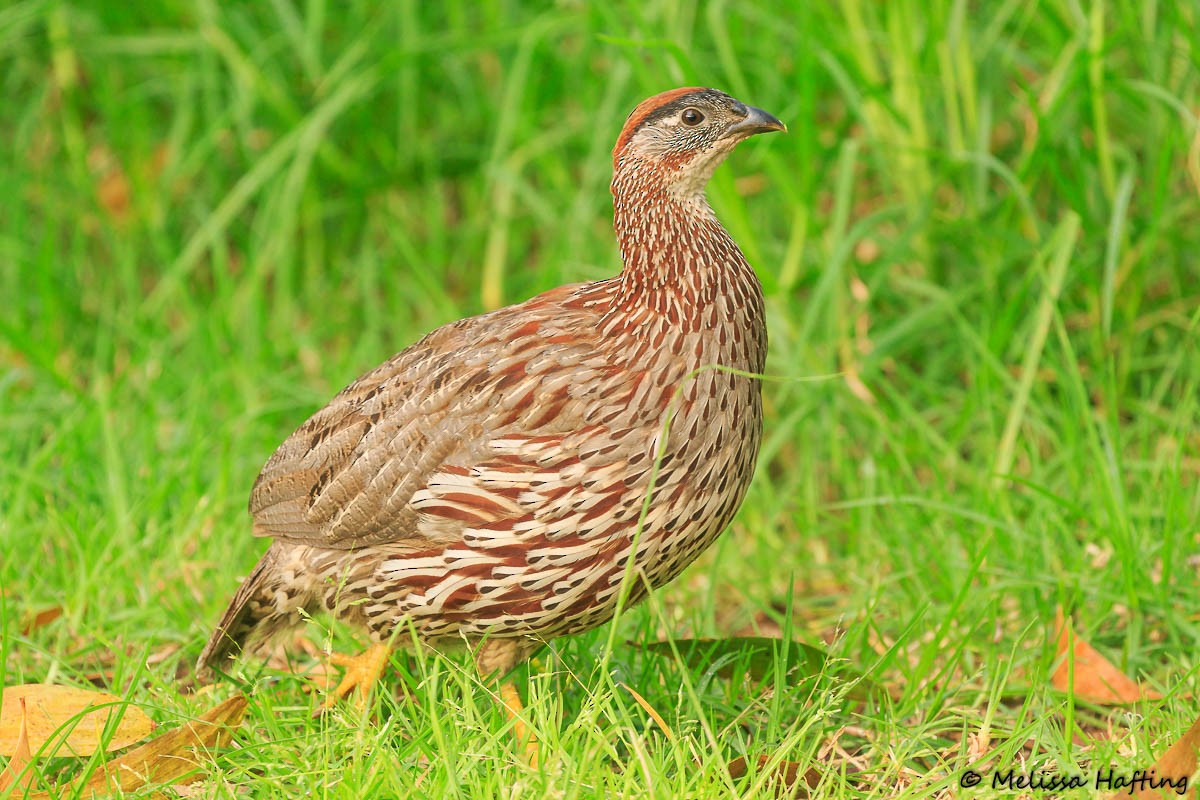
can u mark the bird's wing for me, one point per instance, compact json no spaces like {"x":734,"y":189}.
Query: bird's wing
{"x":380,"y":463}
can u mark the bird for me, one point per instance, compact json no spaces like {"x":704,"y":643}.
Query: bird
{"x":490,"y":485}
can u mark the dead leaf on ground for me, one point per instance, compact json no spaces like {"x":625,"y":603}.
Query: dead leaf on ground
{"x":80,"y":721}
{"x":1176,"y":765}
{"x":786,"y":776}
{"x":15,"y":774}
{"x":1096,"y":680}
{"x":41,"y":619}
{"x":165,"y":757}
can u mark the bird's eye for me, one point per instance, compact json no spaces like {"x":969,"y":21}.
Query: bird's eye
{"x":691,"y":116}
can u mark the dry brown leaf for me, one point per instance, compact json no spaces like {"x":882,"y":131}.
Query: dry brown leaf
{"x":1176,"y":765}
{"x":788,"y":780}
{"x":41,"y":619}
{"x":15,"y":774}
{"x":1096,"y":680}
{"x":165,"y":757}
{"x":60,"y":714}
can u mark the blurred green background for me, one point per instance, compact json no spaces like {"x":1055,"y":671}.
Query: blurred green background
{"x":984,"y":220}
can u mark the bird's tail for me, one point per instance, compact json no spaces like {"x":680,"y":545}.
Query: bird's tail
{"x":241,"y":621}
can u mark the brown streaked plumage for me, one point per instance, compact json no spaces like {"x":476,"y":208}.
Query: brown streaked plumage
{"x":485,"y":483}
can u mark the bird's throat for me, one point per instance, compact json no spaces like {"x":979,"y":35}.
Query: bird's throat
{"x":678,"y":258}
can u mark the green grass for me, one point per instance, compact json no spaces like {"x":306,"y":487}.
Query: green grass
{"x":217,"y":214}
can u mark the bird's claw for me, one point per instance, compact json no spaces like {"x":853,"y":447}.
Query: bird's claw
{"x":362,"y":672}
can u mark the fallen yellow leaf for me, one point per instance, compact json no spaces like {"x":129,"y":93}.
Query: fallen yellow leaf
{"x":165,"y":757}
{"x":15,"y":774}
{"x":75,"y":720}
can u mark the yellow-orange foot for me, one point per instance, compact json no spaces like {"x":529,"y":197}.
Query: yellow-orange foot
{"x":511,"y":698}
{"x":362,"y":671}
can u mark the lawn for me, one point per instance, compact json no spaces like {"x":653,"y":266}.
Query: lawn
{"x":978,"y":243}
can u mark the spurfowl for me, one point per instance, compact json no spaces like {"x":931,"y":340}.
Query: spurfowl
{"x":488,"y":484}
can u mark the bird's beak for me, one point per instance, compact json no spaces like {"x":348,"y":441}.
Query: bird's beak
{"x":756,"y":121}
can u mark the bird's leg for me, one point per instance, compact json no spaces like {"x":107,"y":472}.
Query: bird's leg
{"x":362,"y":671}
{"x":510,"y":697}
{"x":498,"y":657}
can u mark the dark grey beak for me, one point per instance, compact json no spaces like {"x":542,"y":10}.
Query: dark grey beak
{"x":756,"y":121}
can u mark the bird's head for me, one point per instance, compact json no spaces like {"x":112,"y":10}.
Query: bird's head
{"x":679,"y":137}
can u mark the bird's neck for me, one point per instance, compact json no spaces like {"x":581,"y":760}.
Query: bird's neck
{"x":678,"y":259}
